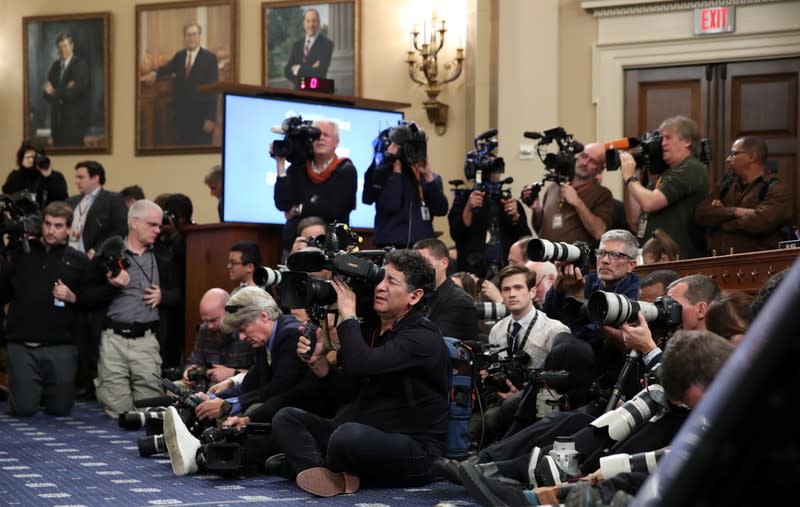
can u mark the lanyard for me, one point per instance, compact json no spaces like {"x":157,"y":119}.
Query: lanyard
{"x":512,"y":342}
{"x":152,"y":265}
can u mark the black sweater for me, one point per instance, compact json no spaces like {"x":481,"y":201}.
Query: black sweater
{"x":403,"y":377}
{"x":27,"y":283}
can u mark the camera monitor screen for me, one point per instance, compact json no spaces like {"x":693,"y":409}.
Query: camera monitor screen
{"x":249,"y":173}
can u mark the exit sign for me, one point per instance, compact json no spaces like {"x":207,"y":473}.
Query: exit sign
{"x":714,"y":20}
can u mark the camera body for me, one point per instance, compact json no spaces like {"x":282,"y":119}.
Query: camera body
{"x":296,"y":146}
{"x":41,"y":161}
{"x":615,"y":310}
{"x":559,"y":165}
{"x":565,"y":455}
{"x":20,"y":220}
{"x":225,"y":449}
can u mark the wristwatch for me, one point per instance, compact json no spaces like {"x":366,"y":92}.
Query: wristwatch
{"x":632,"y":178}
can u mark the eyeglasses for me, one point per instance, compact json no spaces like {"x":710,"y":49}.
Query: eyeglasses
{"x":733,"y":154}
{"x":234,"y":263}
{"x":614,"y":256}
{"x":233,"y":308}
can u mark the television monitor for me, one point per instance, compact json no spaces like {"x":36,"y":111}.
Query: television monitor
{"x":249,"y":173}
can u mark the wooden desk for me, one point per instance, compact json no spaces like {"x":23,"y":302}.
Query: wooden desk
{"x":746,"y":272}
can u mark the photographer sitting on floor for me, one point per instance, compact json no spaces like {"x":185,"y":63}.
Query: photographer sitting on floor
{"x":397,"y":425}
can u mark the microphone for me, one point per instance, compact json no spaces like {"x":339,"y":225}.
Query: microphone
{"x":623,"y":143}
{"x":486,"y":135}
{"x":112,"y":247}
{"x":532,"y":135}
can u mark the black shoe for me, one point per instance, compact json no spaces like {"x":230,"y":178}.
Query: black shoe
{"x":489,"y":491}
{"x":278,"y":464}
{"x":86,"y":391}
{"x":448,"y":468}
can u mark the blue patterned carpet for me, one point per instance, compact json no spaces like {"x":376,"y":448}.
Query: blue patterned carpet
{"x":87,"y":460}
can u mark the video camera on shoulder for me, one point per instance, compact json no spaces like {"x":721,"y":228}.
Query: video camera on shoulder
{"x":298,"y":136}
{"x":578,"y":253}
{"x":482,"y":162}
{"x":615,"y":310}
{"x":559,"y":165}
{"x":20,"y":220}
{"x":647,"y":153}
{"x":412,"y":143}
{"x":41,"y":161}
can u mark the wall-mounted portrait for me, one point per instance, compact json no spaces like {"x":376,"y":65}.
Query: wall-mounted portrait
{"x":67,"y":82}
{"x":312,"y":40}
{"x":180,"y":48}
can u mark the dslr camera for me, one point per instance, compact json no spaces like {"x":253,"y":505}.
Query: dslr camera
{"x":578,"y":253}
{"x":296,"y":146}
{"x":559,"y":166}
{"x":615,"y":309}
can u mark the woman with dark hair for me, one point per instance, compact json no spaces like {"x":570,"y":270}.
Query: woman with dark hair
{"x":660,"y":248}
{"x":35,"y":174}
{"x":730,"y":315}
{"x":466,"y":282}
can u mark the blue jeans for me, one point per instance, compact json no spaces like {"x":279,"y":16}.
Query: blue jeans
{"x":377,"y":458}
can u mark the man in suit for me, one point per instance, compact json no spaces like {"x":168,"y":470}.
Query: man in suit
{"x":67,"y":91}
{"x":191,"y":67}
{"x":99,"y":213}
{"x":311,"y":55}
{"x":450,"y":307}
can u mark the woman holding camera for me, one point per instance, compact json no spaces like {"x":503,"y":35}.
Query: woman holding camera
{"x":35,"y":175}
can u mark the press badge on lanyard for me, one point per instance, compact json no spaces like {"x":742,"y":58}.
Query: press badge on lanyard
{"x":425,"y":212}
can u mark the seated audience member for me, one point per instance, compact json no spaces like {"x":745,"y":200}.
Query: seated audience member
{"x":689,"y":366}
{"x":401,"y":369}
{"x":655,"y":284}
{"x":243,"y":259}
{"x":309,"y":230}
{"x":660,"y":248}
{"x":222,"y":354}
{"x":517,"y":256}
{"x":449,"y":307}
{"x":730,"y":314}
{"x":525,"y":330}
{"x":213,"y":181}
{"x":131,"y":194}
{"x":467,"y":282}
{"x":41,"y":288}
{"x":254,"y":315}
{"x":748,"y":208}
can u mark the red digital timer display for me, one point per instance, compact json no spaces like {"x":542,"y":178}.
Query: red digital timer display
{"x":316,"y":84}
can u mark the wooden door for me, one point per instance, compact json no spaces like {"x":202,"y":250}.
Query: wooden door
{"x":728,"y":101}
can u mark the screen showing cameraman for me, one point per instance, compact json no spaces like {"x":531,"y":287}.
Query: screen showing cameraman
{"x":578,"y":210}
{"x":401,"y":368}
{"x":406,"y":192}
{"x":325,"y":186}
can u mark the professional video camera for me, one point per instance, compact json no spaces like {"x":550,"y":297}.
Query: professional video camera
{"x":20,"y":221}
{"x":412,"y":143}
{"x":225,"y":449}
{"x":41,"y":161}
{"x":647,"y":153}
{"x":578,"y":253}
{"x":512,"y":367}
{"x":298,"y":135}
{"x":111,"y":253}
{"x":482,"y":162}
{"x":341,"y":256}
{"x":615,"y":309}
{"x":559,"y":166}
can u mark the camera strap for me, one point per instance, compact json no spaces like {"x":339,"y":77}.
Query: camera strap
{"x":513,"y":343}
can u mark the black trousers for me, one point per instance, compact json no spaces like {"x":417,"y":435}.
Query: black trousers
{"x":41,"y":376}
{"x":377,"y":458}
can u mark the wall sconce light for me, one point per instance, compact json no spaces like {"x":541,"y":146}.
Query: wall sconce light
{"x":425,"y":69}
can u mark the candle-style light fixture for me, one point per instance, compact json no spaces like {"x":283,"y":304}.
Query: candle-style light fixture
{"x":423,"y":68}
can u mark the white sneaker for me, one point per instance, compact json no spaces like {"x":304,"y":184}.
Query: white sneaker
{"x":181,"y":444}
{"x":534,"y":460}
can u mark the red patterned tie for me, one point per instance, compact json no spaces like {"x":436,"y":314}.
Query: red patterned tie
{"x":307,"y":46}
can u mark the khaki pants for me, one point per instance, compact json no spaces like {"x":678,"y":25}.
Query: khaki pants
{"x":125,"y":371}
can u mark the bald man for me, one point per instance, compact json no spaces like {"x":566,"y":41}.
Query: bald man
{"x":545,"y":276}
{"x":579,"y":210}
{"x":224,"y":355}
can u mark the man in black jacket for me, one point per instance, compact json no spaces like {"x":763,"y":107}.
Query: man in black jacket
{"x":130,"y":288}
{"x":397,"y":425}
{"x":256,"y":317}
{"x":311,"y":55}
{"x":42,"y":286}
{"x":449,"y":307}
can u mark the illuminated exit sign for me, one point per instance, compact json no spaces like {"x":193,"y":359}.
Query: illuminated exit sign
{"x":714,"y":20}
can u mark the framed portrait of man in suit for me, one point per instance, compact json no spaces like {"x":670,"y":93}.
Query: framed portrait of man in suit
{"x":182,"y":48}
{"x":67,"y":82}
{"x":304,"y":41}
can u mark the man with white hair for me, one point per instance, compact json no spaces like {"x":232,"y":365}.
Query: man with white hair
{"x":130,"y":289}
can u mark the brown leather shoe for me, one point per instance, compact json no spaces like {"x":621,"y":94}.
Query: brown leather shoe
{"x":320,"y":481}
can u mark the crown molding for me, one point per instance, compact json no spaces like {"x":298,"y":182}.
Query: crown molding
{"x":614,"y":8}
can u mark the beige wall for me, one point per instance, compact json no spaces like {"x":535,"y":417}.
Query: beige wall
{"x":384,"y":76}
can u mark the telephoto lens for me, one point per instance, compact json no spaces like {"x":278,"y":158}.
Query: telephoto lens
{"x":152,"y":444}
